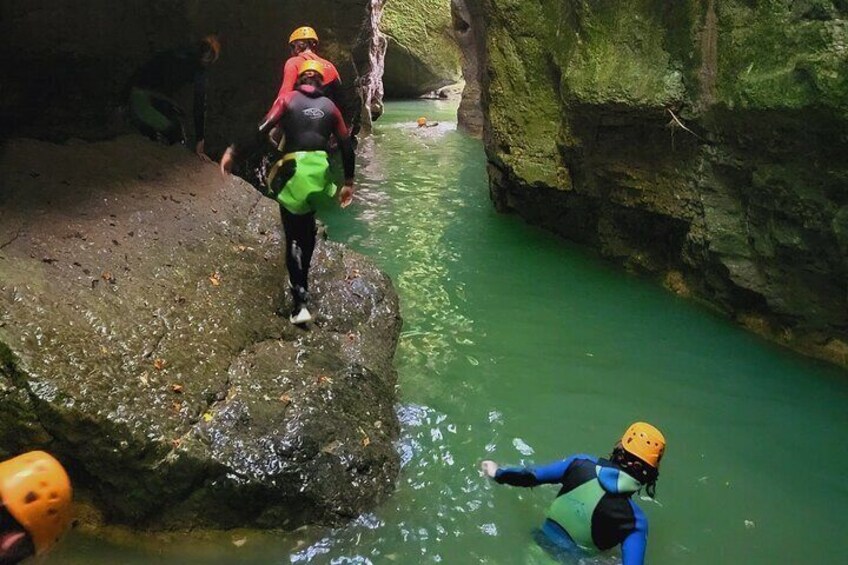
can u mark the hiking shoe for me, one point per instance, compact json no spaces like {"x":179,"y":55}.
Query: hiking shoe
{"x":300,"y":316}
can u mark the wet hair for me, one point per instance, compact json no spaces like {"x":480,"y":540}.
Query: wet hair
{"x":300,"y":45}
{"x":315,"y":81}
{"x":636,"y":468}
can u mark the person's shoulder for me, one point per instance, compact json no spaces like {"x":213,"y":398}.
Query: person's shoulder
{"x":330,"y":70}
{"x":294,"y":61}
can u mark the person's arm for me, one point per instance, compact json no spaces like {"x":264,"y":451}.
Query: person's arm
{"x":636,"y":543}
{"x":289,"y":77}
{"x":249,"y":143}
{"x":200,"y":114}
{"x":532,"y":476}
{"x":348,"y":157}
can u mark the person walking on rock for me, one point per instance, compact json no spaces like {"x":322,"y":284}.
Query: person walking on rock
{"x":301,"y":178}
{"x":152,"y":87}
{"x":593,"y":511}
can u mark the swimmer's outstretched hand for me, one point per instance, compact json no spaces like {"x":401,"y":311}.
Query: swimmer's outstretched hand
{"x":489,"y":468}
{"x":227,"y":162}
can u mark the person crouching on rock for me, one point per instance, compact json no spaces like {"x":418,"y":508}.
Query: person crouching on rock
{"x":593,"y":511}
{"x":302,"y":177}
{"x":153,"y":111}
{"x":35,"y":505}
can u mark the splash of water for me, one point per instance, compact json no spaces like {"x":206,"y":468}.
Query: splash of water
{"x":372,"y":83}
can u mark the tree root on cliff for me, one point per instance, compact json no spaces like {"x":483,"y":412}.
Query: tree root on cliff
{"x":675,"y":123}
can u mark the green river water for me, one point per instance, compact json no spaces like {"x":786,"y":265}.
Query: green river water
{"x":520,"y":347}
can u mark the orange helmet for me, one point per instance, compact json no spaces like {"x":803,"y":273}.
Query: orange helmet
{"x":302,"y":34}
{"x":214,"y":45}
{"x":311,"y":65}
{"x":422,"y":121}
{"x":36,"y":491}
{"x":645,"y":442}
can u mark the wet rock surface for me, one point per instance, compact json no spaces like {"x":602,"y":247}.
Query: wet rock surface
{"x":139,"y":343}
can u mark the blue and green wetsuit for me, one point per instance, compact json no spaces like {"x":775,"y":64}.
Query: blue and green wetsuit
{"x":593,"y":511}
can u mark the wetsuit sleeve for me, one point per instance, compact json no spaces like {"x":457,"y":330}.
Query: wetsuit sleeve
{"x":537,"y":475}
{"x":200,"y":106}
{"x":345,"y":145}
{"x":248,"y":143}
{"x":634,"y":545}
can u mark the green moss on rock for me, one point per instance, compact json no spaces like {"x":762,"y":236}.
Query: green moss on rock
{"x":423,"y":54}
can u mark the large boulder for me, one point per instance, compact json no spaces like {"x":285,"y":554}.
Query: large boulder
{"x":139,"y":343}
{"x":422,"y":53}
{"x":703,"y":141}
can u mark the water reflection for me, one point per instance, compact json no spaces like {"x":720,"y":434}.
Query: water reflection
{"x":418,"y":211}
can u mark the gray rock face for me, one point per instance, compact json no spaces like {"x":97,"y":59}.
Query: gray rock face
{"x":470,"y":35}
{"x":422,"y":54}
{"x":139,"y":343}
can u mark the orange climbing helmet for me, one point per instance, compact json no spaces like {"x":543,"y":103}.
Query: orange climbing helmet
{"x":214,"y":46}
{"x":422,"y":121}
{"x":311,"y":65}
{"x":36,"y":491}
{"x":645,"y":442}
{"x":304,"y":33}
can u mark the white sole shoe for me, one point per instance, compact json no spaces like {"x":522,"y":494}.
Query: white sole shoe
{"x":301,"y":317}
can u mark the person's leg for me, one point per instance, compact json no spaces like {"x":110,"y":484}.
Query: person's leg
{"x":300,"y":244}
{"x":155,"y":116}
{"x":174,"y":132}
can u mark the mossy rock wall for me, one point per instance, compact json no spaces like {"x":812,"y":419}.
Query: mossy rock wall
{"x":422,"y":54}
{"x":65,"y":66}
{"x":703,"y":141}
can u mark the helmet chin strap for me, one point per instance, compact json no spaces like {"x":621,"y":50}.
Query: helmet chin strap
{"x":10,"y":540}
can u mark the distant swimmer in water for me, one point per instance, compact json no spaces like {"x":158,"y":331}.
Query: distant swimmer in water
{"x":593,"y":511}
{"x":423,"y":123}
{"x":35,"y":506}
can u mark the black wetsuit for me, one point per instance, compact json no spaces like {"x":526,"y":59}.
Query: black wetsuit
{"x":308,"y":119}
{"x":159,"y":80}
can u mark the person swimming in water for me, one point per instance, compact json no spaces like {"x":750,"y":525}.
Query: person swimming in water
{"x":423,"y":123}
{"x":593,"y":511}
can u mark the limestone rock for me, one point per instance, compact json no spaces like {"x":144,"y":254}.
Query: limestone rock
{"x":139,"y":343}
{"x":422,"y":54}
{"x":705,"y":138}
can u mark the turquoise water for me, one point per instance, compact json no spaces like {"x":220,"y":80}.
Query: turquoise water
{"x":522,"y":348}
